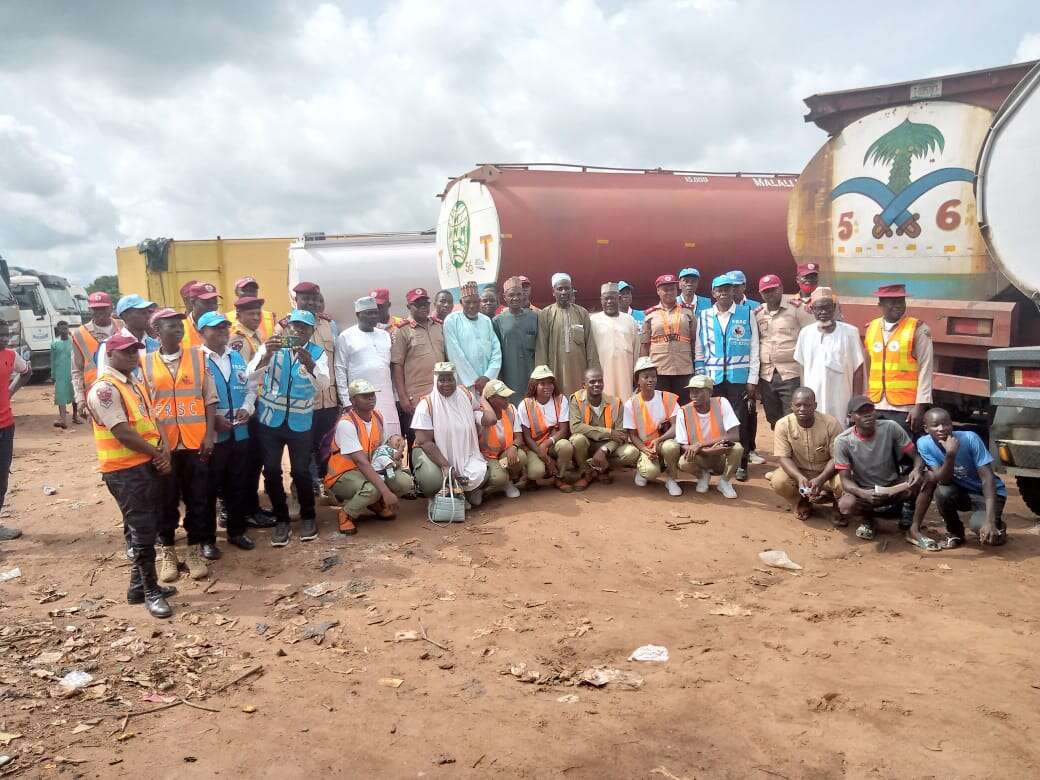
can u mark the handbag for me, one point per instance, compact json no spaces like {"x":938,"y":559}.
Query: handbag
{"x":449,"y":505}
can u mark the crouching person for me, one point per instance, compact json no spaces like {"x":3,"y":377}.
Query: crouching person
{"x":802,"y":441}
{"x":363,"y":472}
{"x":445,"y":424}
{"x":708,"y":430}
{"x":867,"y":457}
{"x":132,"y":457}
{"x":544,"y":416}
{"x":500,"y":444}
{"x":961,"y":479}
{"x":649,"y":421}
{"x":597,"y":428}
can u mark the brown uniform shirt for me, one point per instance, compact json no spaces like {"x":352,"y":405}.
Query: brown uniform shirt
{"x":416,"y":348}
{"x":244,"y":341}
{"x":671,"y":337}
{"x":809,"y":448}
{"x":777,"y":336}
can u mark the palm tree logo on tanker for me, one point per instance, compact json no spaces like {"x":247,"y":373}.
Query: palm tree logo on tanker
{"x":458,"y":234}
{"x":897,"y":149}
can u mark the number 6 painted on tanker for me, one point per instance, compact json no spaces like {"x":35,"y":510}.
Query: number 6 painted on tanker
{"x":845,"y":225}
{"x":946,"y":218}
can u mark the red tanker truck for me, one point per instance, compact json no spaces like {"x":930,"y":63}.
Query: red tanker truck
{"x":609,"y":224}
{"x":890,"y":198}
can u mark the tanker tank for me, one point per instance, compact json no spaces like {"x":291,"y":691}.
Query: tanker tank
{"x":600,"y":224}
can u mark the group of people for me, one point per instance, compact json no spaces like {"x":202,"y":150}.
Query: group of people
{"x":193,"y":406}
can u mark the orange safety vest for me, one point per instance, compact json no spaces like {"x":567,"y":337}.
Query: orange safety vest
{"x":893,"y":367}
{"x":266,"y":327}
{"x":669,"y":400}
{"x":87,"y":346}
{"x":540,"y":430}
{"x":496,"y":445}
{"x":693,"y":427}
{"x":178,"y":403}
{"x":192,"y":337}
{"x":671,"y":327}
{"x":370,"y":435}
{"x":112,"y":454}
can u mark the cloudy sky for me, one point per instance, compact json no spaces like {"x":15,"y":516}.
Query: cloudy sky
{"x":125,"y":120}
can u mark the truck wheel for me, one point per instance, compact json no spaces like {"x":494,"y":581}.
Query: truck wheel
{"x":1029,"y":487}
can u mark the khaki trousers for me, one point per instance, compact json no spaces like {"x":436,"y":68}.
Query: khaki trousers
{"x":668,"y":452}
{"x":724,"y":463}
{"x":356,"y":493}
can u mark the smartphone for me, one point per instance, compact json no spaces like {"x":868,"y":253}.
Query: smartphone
{"x":289,"y":341}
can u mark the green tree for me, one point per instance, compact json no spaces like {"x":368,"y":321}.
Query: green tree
{"x":109,"y":284}
{"x":899,"y":146}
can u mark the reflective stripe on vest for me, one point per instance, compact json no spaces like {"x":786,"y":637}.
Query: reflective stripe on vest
{"x":646,"y":425}
{"x":112,"y":455}
{"x":495,"y":445}
{"x":369,"y":435}
{"x":540,"y":430}
{"x":893,"y":367}
{"x":87,"y":346}
{"x":288,"y":391}
{"x":178,"y":403}
{"x":693,"y":424}
{"x":231,"y":394}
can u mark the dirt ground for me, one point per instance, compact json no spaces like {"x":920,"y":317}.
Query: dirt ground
{"x":876,"y":660}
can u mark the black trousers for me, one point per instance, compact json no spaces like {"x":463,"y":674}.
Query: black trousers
{"x":675,"y":383}
{"x":322,"y":423}
{"x":405,"y":420}
{"x":273,"y":442}
{"x":228,"y":468}
{"x":951,"y":500}
{"x":897,"y":417}
{"x":254,"y":465}
{"x":6,"y":456}
{"x":188,"y":483}
{"x":137,"y":494}
{"x":776,"y":396}
{"x":737,"y":395}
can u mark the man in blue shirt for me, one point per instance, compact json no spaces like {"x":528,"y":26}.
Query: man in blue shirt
{"x":962,"y":480}
{"x":689,"y":281}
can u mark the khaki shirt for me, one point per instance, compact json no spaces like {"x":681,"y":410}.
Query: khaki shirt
{"x":596,"y":428}
{"x":416,"y":348}
{"x":777,"y":336}
{"x":329,"y":397}
{"x":101,"y":334}
{"x":244,"y":341}
{"x":809,"y":448}
{"x":105,"y":403}
{"x":671,"y":337}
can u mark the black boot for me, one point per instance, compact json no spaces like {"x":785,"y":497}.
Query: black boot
{"x":154,"y":598}
{"x":135,"y":593}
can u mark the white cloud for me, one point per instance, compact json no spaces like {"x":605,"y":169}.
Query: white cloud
{"x":291,"y":115}
{"x":1028,"y":48}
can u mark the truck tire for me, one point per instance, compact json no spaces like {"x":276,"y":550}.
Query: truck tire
{"x":1029,"y":487}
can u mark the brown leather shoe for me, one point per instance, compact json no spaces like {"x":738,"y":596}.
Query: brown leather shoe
{"x":346,"y":524}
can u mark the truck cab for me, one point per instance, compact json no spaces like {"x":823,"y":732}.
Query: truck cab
{"x":10,"y":314}
{"x":79,"y":295}
{"x":37,"y":321}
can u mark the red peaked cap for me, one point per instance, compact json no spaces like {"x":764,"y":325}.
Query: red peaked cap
{"x":891,"y":291}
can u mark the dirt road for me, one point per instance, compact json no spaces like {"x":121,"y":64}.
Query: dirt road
{"x":875,"y":660}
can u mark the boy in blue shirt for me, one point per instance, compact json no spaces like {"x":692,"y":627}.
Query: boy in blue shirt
{"x":962,"y":480}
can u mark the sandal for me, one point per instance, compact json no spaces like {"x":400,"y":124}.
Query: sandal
{"x":865,"y":531}
{"x":581,"y":484}
{"x":562,"y":486}
{"x":803,"y":511}
{"x":951,"y":543}
{"x":923,"y":542}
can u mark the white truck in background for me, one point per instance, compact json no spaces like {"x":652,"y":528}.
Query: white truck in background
{"x":1007,"y":191}
{"x":11,"y":316}
{"x":44,"y":301}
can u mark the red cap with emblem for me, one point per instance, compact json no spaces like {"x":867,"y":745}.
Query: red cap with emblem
{"x":808,"y":268}
{"x":249,"y":302}
{"x":246,"y":280}
{"x":414,"y":295}
{"x":891,"y":291}
{"x":381,"y":294}
{"x":666,"y":279}
{"x":163,"y":314}
{"x":99,"y":300}
{"x":203,"y":291}
{"x":768,"y":282}
{"x":186,"y":287}
{"x":119,"y":342}
{"x":306,"y":287}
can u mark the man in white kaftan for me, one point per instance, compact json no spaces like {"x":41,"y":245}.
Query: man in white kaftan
{"x":363,"y":352}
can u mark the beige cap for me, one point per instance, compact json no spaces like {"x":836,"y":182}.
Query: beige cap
{"x":542,"y":372}
{"x":642,"y":364}
{"x":823,"y":294}
{"x":447,"y":367}
{"x":700,"y":382}
{"x":360,"y":387}
{"x":513,"y":283}
{"x":496,"y":387}
{"x":608,"y":287}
